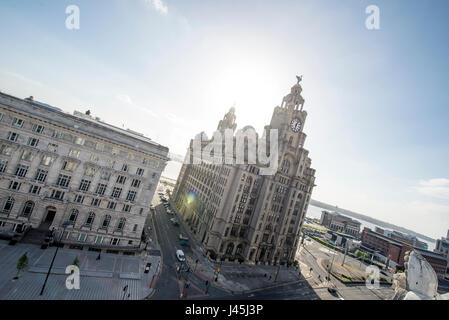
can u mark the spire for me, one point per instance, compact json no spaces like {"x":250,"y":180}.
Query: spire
{"x":228,"y":121}
{"x":294,"y":100}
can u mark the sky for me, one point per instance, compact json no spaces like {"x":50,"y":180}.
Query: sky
{"x":377,"y":100}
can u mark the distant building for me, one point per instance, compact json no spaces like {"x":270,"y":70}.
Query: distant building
{"x":338,"y":222}
{"x":395,"y":250}
{"x":442,"y":245}
{"x":401,"y":237}
{"x":437,"y":261}
{"x":57,"y":167}
{"x":388,"y":248}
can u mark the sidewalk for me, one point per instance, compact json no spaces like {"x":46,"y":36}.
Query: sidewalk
{"x":103,"y":278}
{"x":235,"y":277}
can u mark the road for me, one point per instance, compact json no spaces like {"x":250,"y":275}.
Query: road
{"x":168,"y":286}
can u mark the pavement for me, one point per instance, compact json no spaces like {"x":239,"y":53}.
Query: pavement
{"x":103,"y":279}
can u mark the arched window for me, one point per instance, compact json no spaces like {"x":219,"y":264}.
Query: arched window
{"x":8,"y":205}
{"x":28,"y":209}
{"x":73,"y":215}
{"x":90,"y":219}
{"x":106,"y":220}
{"x":121,"y":224}
{"x":290,"y":140}
{"x":239,"y":249}
{"x":285,"y":166}
{"x":230,"y":248}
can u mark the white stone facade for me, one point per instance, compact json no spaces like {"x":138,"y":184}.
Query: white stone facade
{"x":57,"y":167}
{"x":239,"y":214}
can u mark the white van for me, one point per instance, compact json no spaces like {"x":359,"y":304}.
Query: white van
{"x":180,"y":255}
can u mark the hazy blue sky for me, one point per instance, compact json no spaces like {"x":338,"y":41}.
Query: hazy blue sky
{"x":377,"y":100}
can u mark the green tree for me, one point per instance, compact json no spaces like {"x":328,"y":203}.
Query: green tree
{"x":21,"y":264}
{"x":76,"y":262}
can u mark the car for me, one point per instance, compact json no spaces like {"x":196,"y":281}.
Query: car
{"x":180,"y":255}
{"x":174,"y":221}
{"x":147,"y":267}
{"x":185,"y":243}
{"x":181,"y":237}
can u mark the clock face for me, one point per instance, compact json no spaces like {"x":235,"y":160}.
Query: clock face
{"x":295,"y":125}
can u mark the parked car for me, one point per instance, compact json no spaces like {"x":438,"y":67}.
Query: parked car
{"x":180,"y":255}
{"x":185,"y":243}
{"x":147,"y":267}
{"x":174,"y":221}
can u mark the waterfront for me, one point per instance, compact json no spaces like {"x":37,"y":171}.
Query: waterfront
{"x":315,"y":213}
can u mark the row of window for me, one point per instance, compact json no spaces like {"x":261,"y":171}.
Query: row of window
{"x":39,"y":129}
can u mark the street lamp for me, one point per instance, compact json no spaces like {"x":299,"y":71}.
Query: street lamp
{"x":64,"y":226}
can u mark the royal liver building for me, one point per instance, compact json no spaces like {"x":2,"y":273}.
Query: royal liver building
{"x":240,"y":214}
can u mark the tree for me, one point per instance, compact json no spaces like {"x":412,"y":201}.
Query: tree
{"x":76,"y":262}
{"x":21,"y":264}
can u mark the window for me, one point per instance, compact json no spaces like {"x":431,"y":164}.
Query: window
{"x":90,"y":219}
{"x":38,"y":128}
{"x":111,"y":163}
{"x":63,"y":180}
{"x":69,"y":165}
{"x":3,"y":165}
{"x":84,"y":185}
{"x":120,"y":224}
{"x":140,"y":171}
{"x":73,"y":215}
{"x":27,"y":155}
{"x":7,"y":207}
{"x":78,"y":198}
{"x":121,"y":179}
{"x":131,"y":195}
{"x":116,"y":192}
{"x":21,"y":170}
{"x":6,"y":150}
{"x":135,"y":183}
{"x":41,"y":175}
{"x":101,"y":188}
{"x":135,"y":227}
{"x":12,"y":136}
{"x":153,"y":175}
{"x":94,"y":158}
{"x":1,"y":116}
{"x":115,"y":241}
{"x":82,"y":237}
{"x":56,"y":194}
{"x":98,"y":240}
{"x":126,"y":208}
{"x":111,"y":205}
{"x":125,"y":167}
{"x":99,"y":146}
{"x":27,"y":209}
{"x":57,"y":134}
{"x":74,"y":153}
{"x":47,"y":160}
{"x":35,"y":189}
{"x":32,"y":142}
{"x":105,"y":175}
{"x":96,"y":202}
{"x":79,"y":141}
{"x":17,"y":123}
{"x":14,"y":185}
{"x":106,"y":220}
{"x":52,"y":147}
{"x":89,"y":171}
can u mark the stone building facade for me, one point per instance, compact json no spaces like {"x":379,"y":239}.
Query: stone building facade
{"x":241,"y":215}
{"x":56,"y":167}
{"x":338,"y":222}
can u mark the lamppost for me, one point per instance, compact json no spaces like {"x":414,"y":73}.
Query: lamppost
{"x":64,"y":225}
